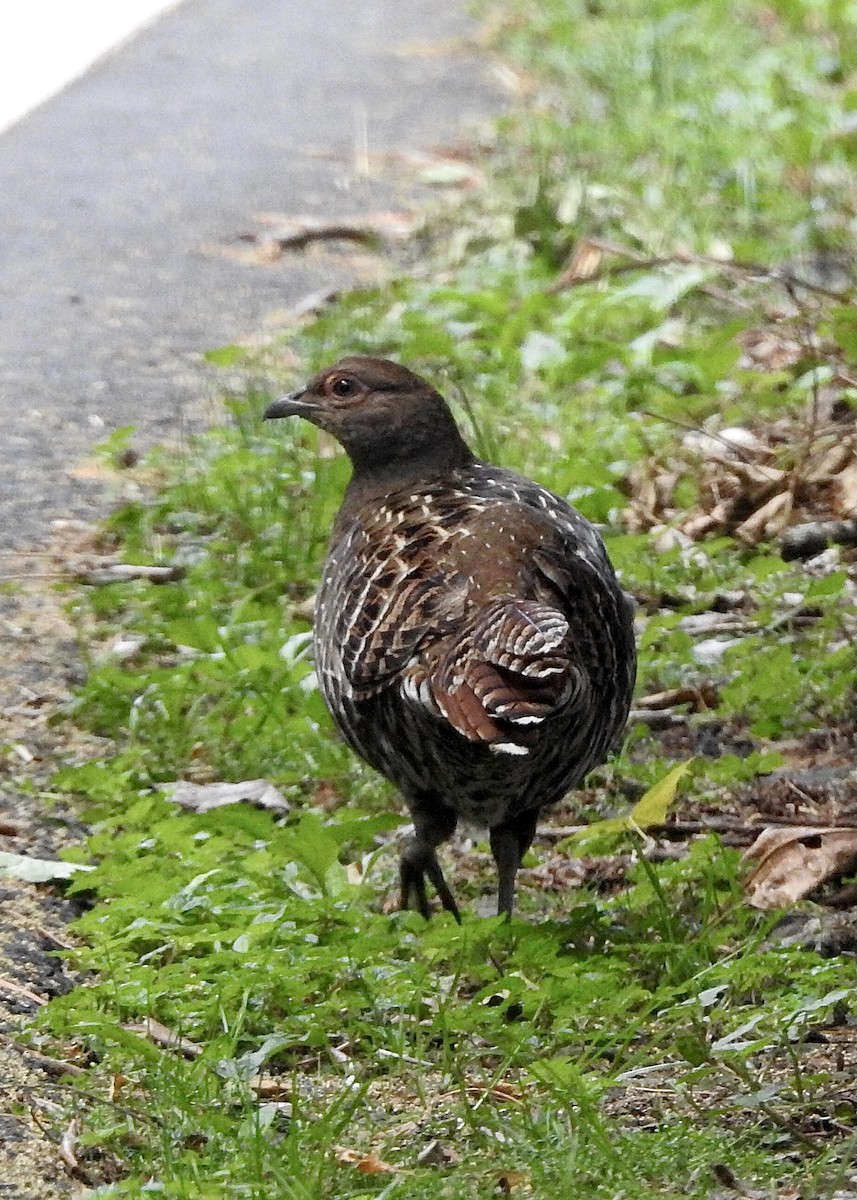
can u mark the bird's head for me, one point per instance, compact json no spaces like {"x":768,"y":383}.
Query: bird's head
{"x":388,"y":419}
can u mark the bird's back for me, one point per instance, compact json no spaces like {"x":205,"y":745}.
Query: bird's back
{"x":472,"y":641}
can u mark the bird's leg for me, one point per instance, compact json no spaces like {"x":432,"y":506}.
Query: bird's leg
{"x":432,"y":825}
{"x":509,"y":843}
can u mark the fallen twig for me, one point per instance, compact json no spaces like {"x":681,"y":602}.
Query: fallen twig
{"x":738,"y":831}
{"x":51,"y":1066}
{"x":60,"y":942}
{"x":123,"y":572}
{"x":573,"y":276}
{"x":15,"y":989}
{"x":344,"y":233}
{"x":657,"y":718}
{"x":701,"y":697}
{"x":161,"y":1035}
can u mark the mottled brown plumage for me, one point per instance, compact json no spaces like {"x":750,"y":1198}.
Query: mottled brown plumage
{"x":472,"y":642}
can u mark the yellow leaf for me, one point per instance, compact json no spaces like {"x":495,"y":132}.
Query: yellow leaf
{"x":652,"y":809}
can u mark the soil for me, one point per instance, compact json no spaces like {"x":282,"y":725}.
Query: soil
{"x":40,"y":669}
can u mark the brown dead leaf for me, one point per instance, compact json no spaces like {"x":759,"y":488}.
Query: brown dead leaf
{"x":743,"y":1191}
{"x":398,"y":226}
{"x":794,"y":862}
{"x":757,"y":477}
{"x":846,"y":491}
{"x":585,"y":262}
{"x":115,"y":1087}
{"x":270,"y":1088}
{"x":753,"y":483}
{"x":368,"y":1164}
{"x":833,"y":460}
{"x":770,"y":350}
{"x":506,"y":1091}
{"x":767,"y":521}
{"x":511,"y":1181}
{"x":93,"y":470}
{"x":699,"y":526}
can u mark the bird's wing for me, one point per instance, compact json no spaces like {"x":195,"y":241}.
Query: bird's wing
{"x":563,"y":635}
{"x":405,"y":590}
{"x":491,"y":636}
{"x":507,"y":673}
{"x":421,"y":608}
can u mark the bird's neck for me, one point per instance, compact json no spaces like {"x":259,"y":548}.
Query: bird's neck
{"x":374,"y":480}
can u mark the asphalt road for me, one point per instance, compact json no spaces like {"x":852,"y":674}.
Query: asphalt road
{"x":113,"y":193}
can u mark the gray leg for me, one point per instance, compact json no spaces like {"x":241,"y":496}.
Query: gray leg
{"x":509,"y":843}
{"x":432,"y":826}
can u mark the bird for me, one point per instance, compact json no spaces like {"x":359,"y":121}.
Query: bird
{"x":472,"y":642}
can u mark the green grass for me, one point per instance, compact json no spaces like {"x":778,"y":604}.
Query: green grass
{"x":635,"y":1037}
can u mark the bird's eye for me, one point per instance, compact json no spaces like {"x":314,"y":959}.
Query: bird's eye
{"x":343,"y":386}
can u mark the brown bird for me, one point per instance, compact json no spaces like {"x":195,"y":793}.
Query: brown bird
{"x":471,"y":639}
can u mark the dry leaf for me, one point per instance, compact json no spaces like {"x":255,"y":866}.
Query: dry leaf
{"x":700,"y":525}
{"x":770,"y":350}
{"x":741,"y":492}
{"x":68,"y":1145}
{"x":268,"y":1088}
{"x":162,"y":1035}
{"x":203,"y":797}
{"x":369,"y":1164}
{"x":398,"y":225}
{"x":510,"y":1181}
{"x":93,"y":469}
{"x":38,"y":870}
{"x":832,"y":461}
{"x":768,"y":520}
{"x":794,"y":862}
{"x":114,"y":1089}
{"x":435,"y":1154}
{"x":585,"y":262}
{"x":756,"y":475}
{"x":846,"y":491}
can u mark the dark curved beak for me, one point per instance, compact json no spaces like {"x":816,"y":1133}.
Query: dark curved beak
{"x":292,"y":404}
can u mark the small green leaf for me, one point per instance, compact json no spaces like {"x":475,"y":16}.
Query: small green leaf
{"x":693,"y":1049}
{"x":316,"y":849}
{"x":225,"y":356}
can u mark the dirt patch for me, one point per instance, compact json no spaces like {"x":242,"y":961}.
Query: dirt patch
{"x":40,"y":668}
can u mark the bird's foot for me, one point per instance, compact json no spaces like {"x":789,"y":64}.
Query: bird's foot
{"x":418,"y":862}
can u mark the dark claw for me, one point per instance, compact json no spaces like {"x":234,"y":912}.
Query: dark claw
{"x":417,"y":862}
